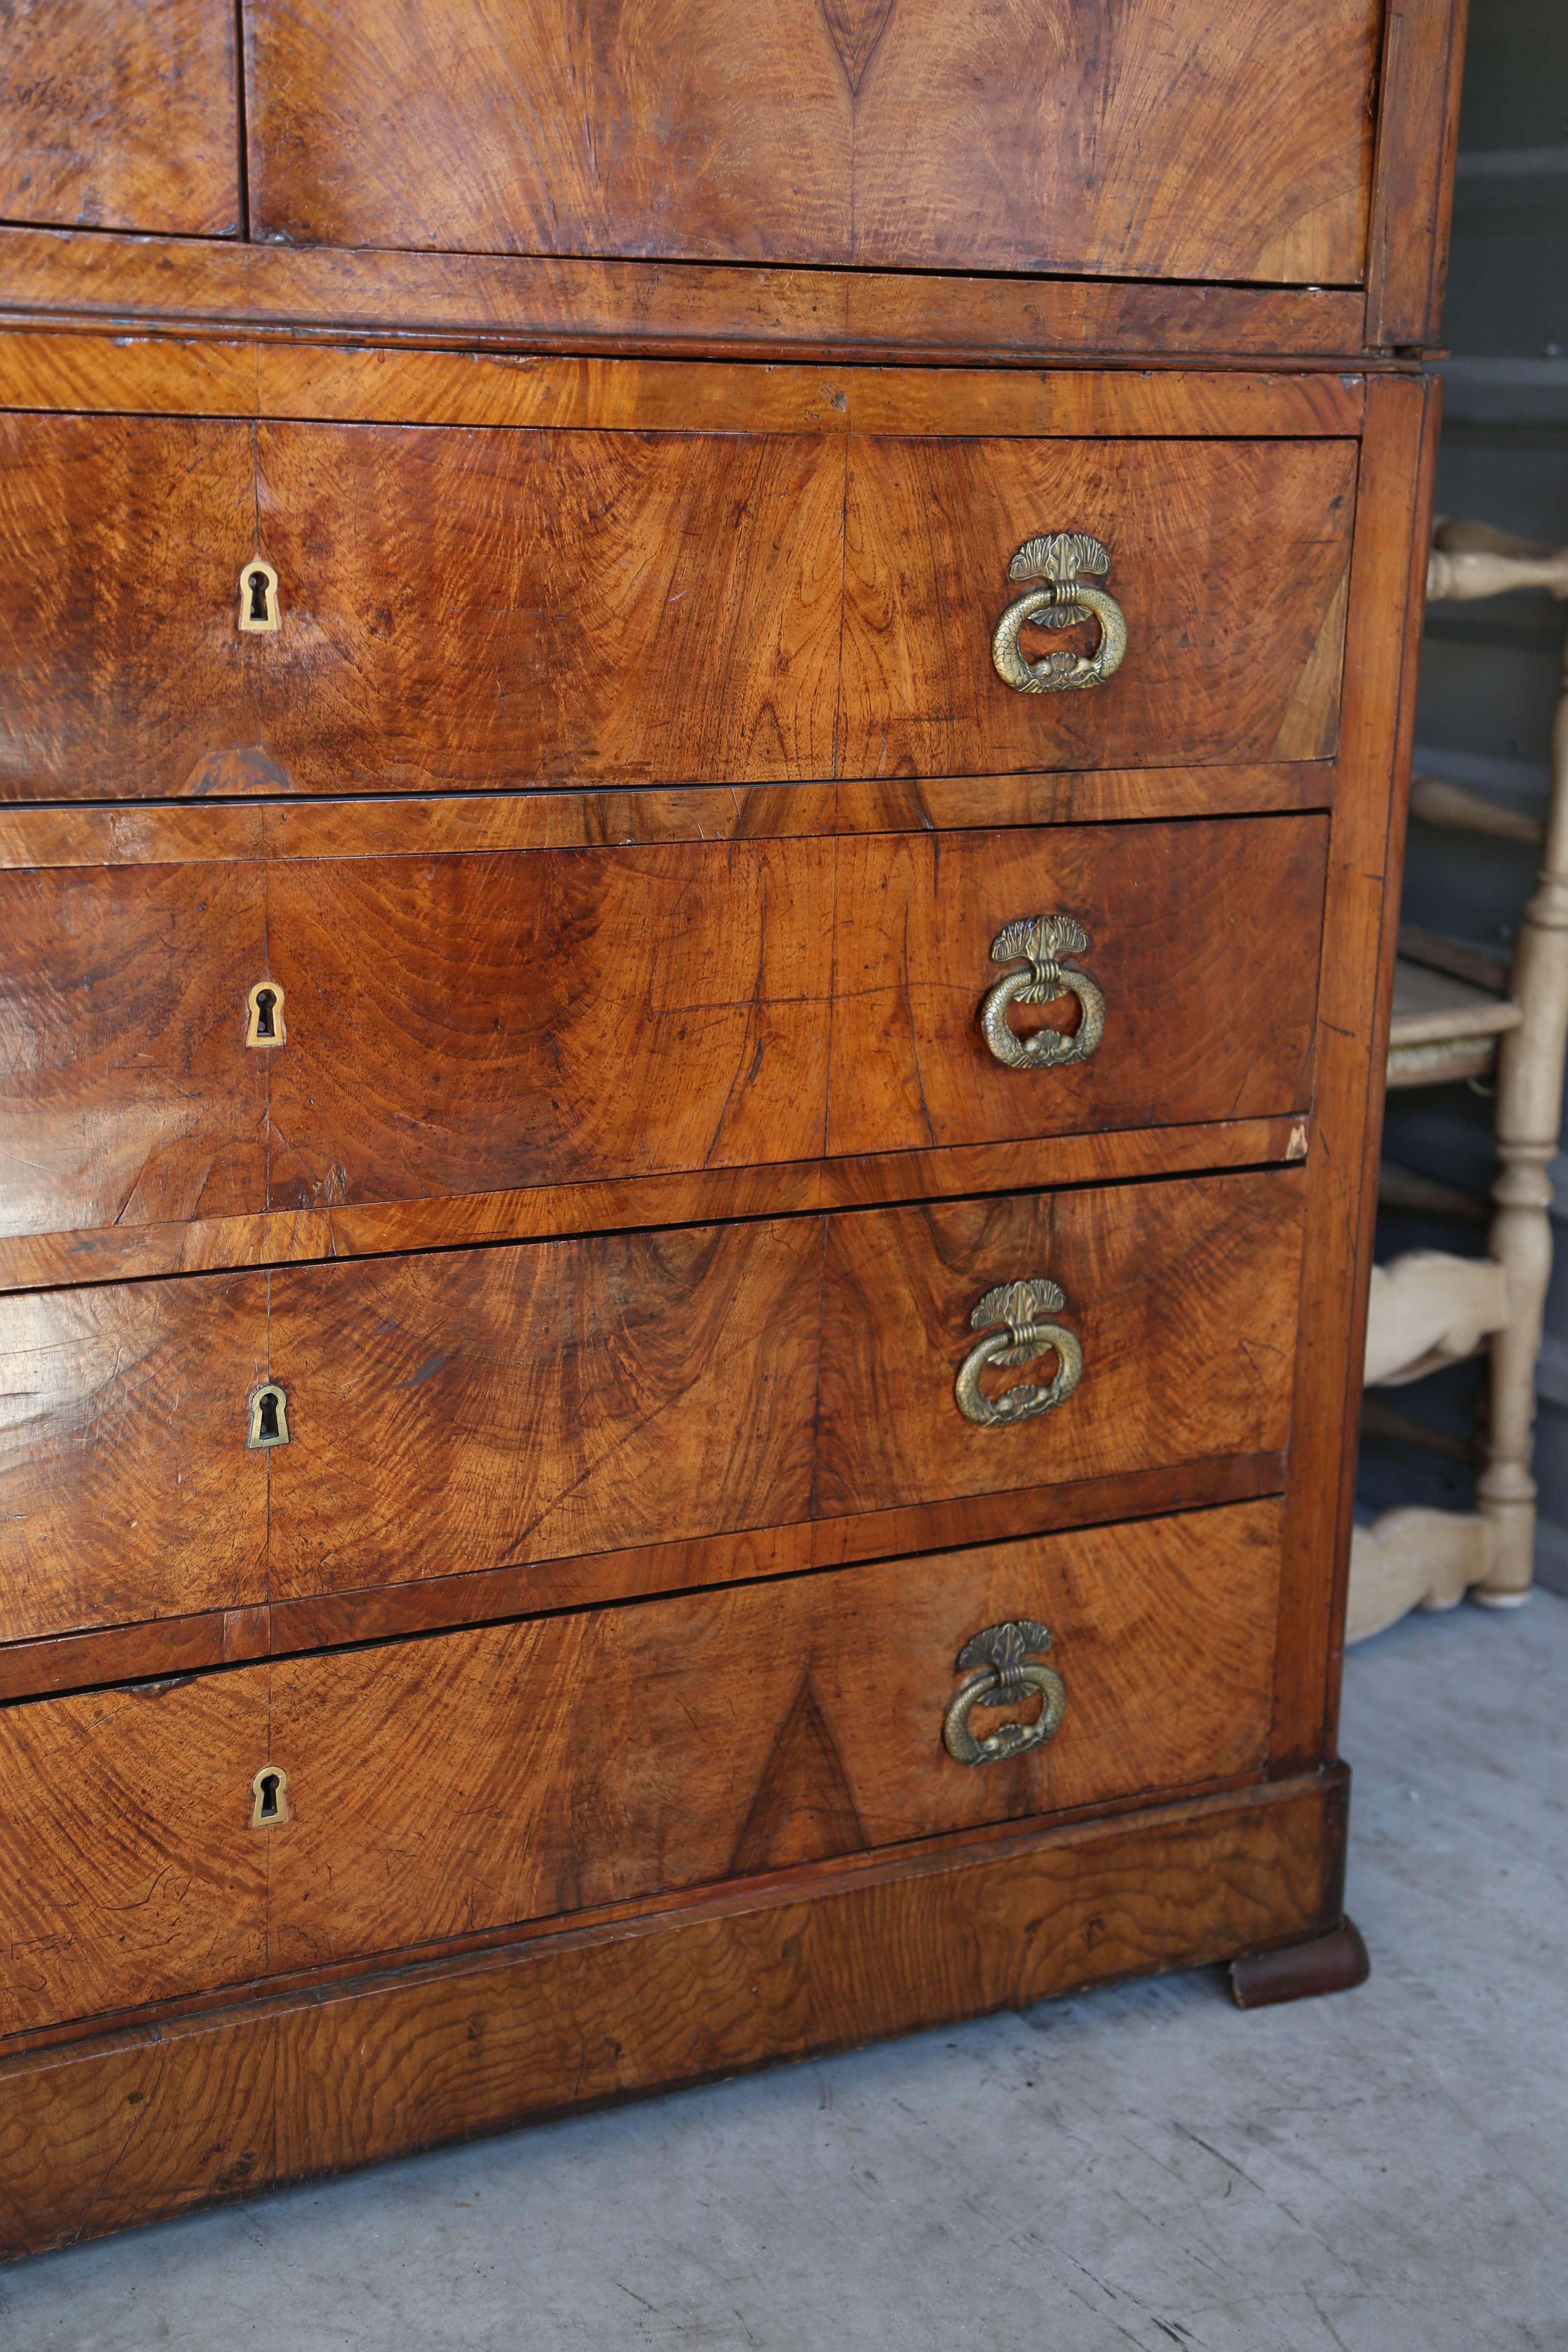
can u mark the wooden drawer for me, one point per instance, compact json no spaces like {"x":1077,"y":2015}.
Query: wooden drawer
{"x":121,"y":118}
{"x":457,"y":1024}
{"x":460,"y":609}
{"x":923,"y":134}
{"x":456,"y":608}
{"x":454,"y":1785}
{"x":462,"y":1411}
{"x":1230,"y":560}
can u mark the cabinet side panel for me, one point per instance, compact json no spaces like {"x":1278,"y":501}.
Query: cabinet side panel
{"x":1359,"y":925}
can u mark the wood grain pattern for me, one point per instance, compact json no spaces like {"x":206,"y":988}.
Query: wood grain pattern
{"x":120,"y":119}
{"x":458,"y":608}
{"x":914,"y":920}
{"x":520,"y":1403}
{"x":623,"y":1753}
{"x":1183,"y":1296}
{"x":301,"y":1236}
{"x":391,"y":385}
{"x":478,"y":1024}
{"x":472,"y":824}
{"x":1362,"y":919}
{"x":804,"y":135}
{"x":211,"y":2106}
{"x":126,"y":1490}
{"x":1226,"y":558}
{"x":474,"y":1023}
{"x":132,"y":1872}
{"x":1418,"y":136}
{"x":533,"y":304}
{"x":331,"y":1621}
{"x":127,"y":1094}
{"x":465,"y":1782}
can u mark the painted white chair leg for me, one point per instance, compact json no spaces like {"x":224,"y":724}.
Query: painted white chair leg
{"x":1529,"y":1116}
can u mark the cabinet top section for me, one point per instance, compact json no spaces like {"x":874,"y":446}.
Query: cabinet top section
{"x":1202,"y":144}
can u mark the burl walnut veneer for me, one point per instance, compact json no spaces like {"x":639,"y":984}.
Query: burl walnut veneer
{"x":700,"y":732}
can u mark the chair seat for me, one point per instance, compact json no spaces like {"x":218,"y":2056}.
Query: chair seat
{"x":1443,"y":1027}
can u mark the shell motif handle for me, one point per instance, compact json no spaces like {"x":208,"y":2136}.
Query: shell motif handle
{"x":1005,"y":1674}
{"x":1039,"y":945}
{"x":1018,"y":1306}
{"x":1056,"y":560}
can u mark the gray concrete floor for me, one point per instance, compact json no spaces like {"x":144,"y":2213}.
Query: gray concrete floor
{"x":1384,"y":2171}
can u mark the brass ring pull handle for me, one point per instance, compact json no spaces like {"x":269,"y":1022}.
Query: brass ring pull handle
{"x":1040,"y":945}
{"x":1004,"y":1674}
{"x":1018,"y":1306}
{"x":1056,"y":560}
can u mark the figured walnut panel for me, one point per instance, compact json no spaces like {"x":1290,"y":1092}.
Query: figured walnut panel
{"x":517,"y":1403}
{"x":532,"y":303}
{"x":132,"y":1872}
{"x":465,"y":1025}
{"x":312,"y":2081}
{"x":127,"y":1094}
{"x":883,"y":134}
{"x":458,"y":1783}
{"x":1182,"y":1295}
{"x":458,"y":608}
{"x":126,"y":1488}
{"x":1202,"y":937}
{"x":1090,"y":140}
{"x":474,"y":1025}
{"x":121,"y":118}
{"x":1228,"y":559}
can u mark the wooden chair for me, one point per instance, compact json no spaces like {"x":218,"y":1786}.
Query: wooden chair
{"x":1459,"y":1012}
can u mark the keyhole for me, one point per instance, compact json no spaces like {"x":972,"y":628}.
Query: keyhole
{"x":257,"y":598}
{"x":270,"y":1791}
{"x":264,"y":1015}
{"x":268,"y":1416}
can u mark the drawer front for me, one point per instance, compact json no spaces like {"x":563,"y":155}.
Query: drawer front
{"x":477,"y":1409}
{"x":457,"y":1784}
{"x":121,"y":118}
{"x":923,"y":133}
{"x":457,"y":1024}
{"x":461,"y":608}
{"x":1228,"y":560}
{"x":454,"y":608}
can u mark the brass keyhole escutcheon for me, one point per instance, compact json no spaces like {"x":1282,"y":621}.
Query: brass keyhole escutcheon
{"x":1039,"y":945}
{"x":257,"y":599}
{"x":264,"y":1015}
{"x":270,"y":1796}
{"x":1019,"y":1307}
{"x":1001,"y":1666}
{"x":268,"y":1416}
{"x":1058,"y":560}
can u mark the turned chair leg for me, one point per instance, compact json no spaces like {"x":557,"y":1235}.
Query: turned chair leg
{"x":1528,"y":1113}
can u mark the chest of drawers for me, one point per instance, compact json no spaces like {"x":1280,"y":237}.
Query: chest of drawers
{"x":702,"y":717}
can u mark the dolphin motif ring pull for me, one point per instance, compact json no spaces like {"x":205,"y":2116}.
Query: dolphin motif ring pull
{"x":1019,"y":1307}
{"x":1039,"y":946}
{"x":1057,"y":562}
{"x":1000,"y":1669}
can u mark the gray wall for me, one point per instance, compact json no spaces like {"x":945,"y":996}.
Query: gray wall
{"x":1488,"y":681}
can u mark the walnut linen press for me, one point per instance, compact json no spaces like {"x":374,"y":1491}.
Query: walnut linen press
{"x":702,"y":717}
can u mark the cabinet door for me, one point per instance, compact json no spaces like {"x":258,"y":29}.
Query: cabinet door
{"x":121,"y":118}
{"x":1155,"y":138}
